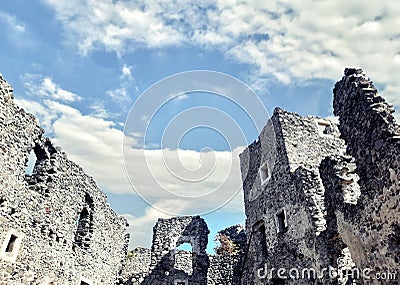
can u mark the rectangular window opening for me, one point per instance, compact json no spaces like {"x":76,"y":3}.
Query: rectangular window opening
{"x":281,"y":221}
{"x":264,"y":173}
{"x":11,"y":243}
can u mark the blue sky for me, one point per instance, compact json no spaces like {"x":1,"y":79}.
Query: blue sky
{"x":79,"y":66}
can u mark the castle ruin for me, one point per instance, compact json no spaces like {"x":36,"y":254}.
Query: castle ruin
{"x":55,"y":224}
{"x":318,"y":195}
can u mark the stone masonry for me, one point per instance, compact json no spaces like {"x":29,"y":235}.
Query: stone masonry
{"x":325,"y":196}
{"x":164,"y":264}
{"x":321,"y":201}
{"x":55,"y":225}
{"x":286,"y":215}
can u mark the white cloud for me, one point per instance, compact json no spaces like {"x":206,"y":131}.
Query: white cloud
{"x":200,"y":181}
{"x":113,"y":25}
{"x":90,"y":141}
{"x":12,"y":22}
{"x":141,"y":227}
{"x":391,"y":93}
{"x":122,"y":95}
{"x":96,"y":144}
{"x":37,"y":85}
{"x":127,"y":73}
{"x":41,"y":112}
{"x":283,"y":39}
{"x":99,"y":110}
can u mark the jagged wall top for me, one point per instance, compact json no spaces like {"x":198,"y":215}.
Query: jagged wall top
{"x":55,"y":224}
{"x":355,"y":96}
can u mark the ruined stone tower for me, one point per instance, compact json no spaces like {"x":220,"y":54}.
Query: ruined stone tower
{"x":321,"y":200}
{"x":321,"y":196}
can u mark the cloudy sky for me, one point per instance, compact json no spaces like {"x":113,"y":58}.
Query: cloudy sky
{"x":80,"y":66}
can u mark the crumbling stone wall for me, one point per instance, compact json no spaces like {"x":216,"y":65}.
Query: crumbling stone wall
{"x":165,"y":264}
{"x":136,"y":267}
{"x":225,"y":269}
{"x":55,"y":224}
{"x":329,"y":196}
{"x":285,"y":218}
{"x":370,"y":228}
{"x":342,"y":190}
{"x":168,"y":234}
{"x":317,"y":195}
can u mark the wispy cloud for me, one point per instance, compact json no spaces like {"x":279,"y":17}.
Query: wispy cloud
{"x":45,"y":87}
{"x":99,"y":110}
{"x":123,"y":94}
{"x":12,"y":23}
{"x":127,"y":73}
{"x":120,"y":94}
{"x":284,"y":40}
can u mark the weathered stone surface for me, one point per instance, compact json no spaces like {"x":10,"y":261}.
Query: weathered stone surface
{"x":285,"y":221}
{"x":332,"y":199}
{"x":318,"y":196}
{"x":370,"y":132}
{"x":55,"y":224}
{"x":164,"y":264}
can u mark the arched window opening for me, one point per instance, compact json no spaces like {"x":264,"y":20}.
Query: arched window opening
{"x":30,"y":163}
{"x":83,"y":229}
{"x":184,"y":258}
{"x":260,"y":242}
{"x":89,"y":201}
{"x":84,"y":223}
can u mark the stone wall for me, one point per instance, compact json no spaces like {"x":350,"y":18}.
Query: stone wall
{"x":165,"y":264}
{"x":371,"y":227}
{"x":225,"y":269}
{"x":322,"y":196}
{"x":55,"y":224}
{"x":317,"y":196}
{"x":137,"y":266}
{"x":286,"y":216}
